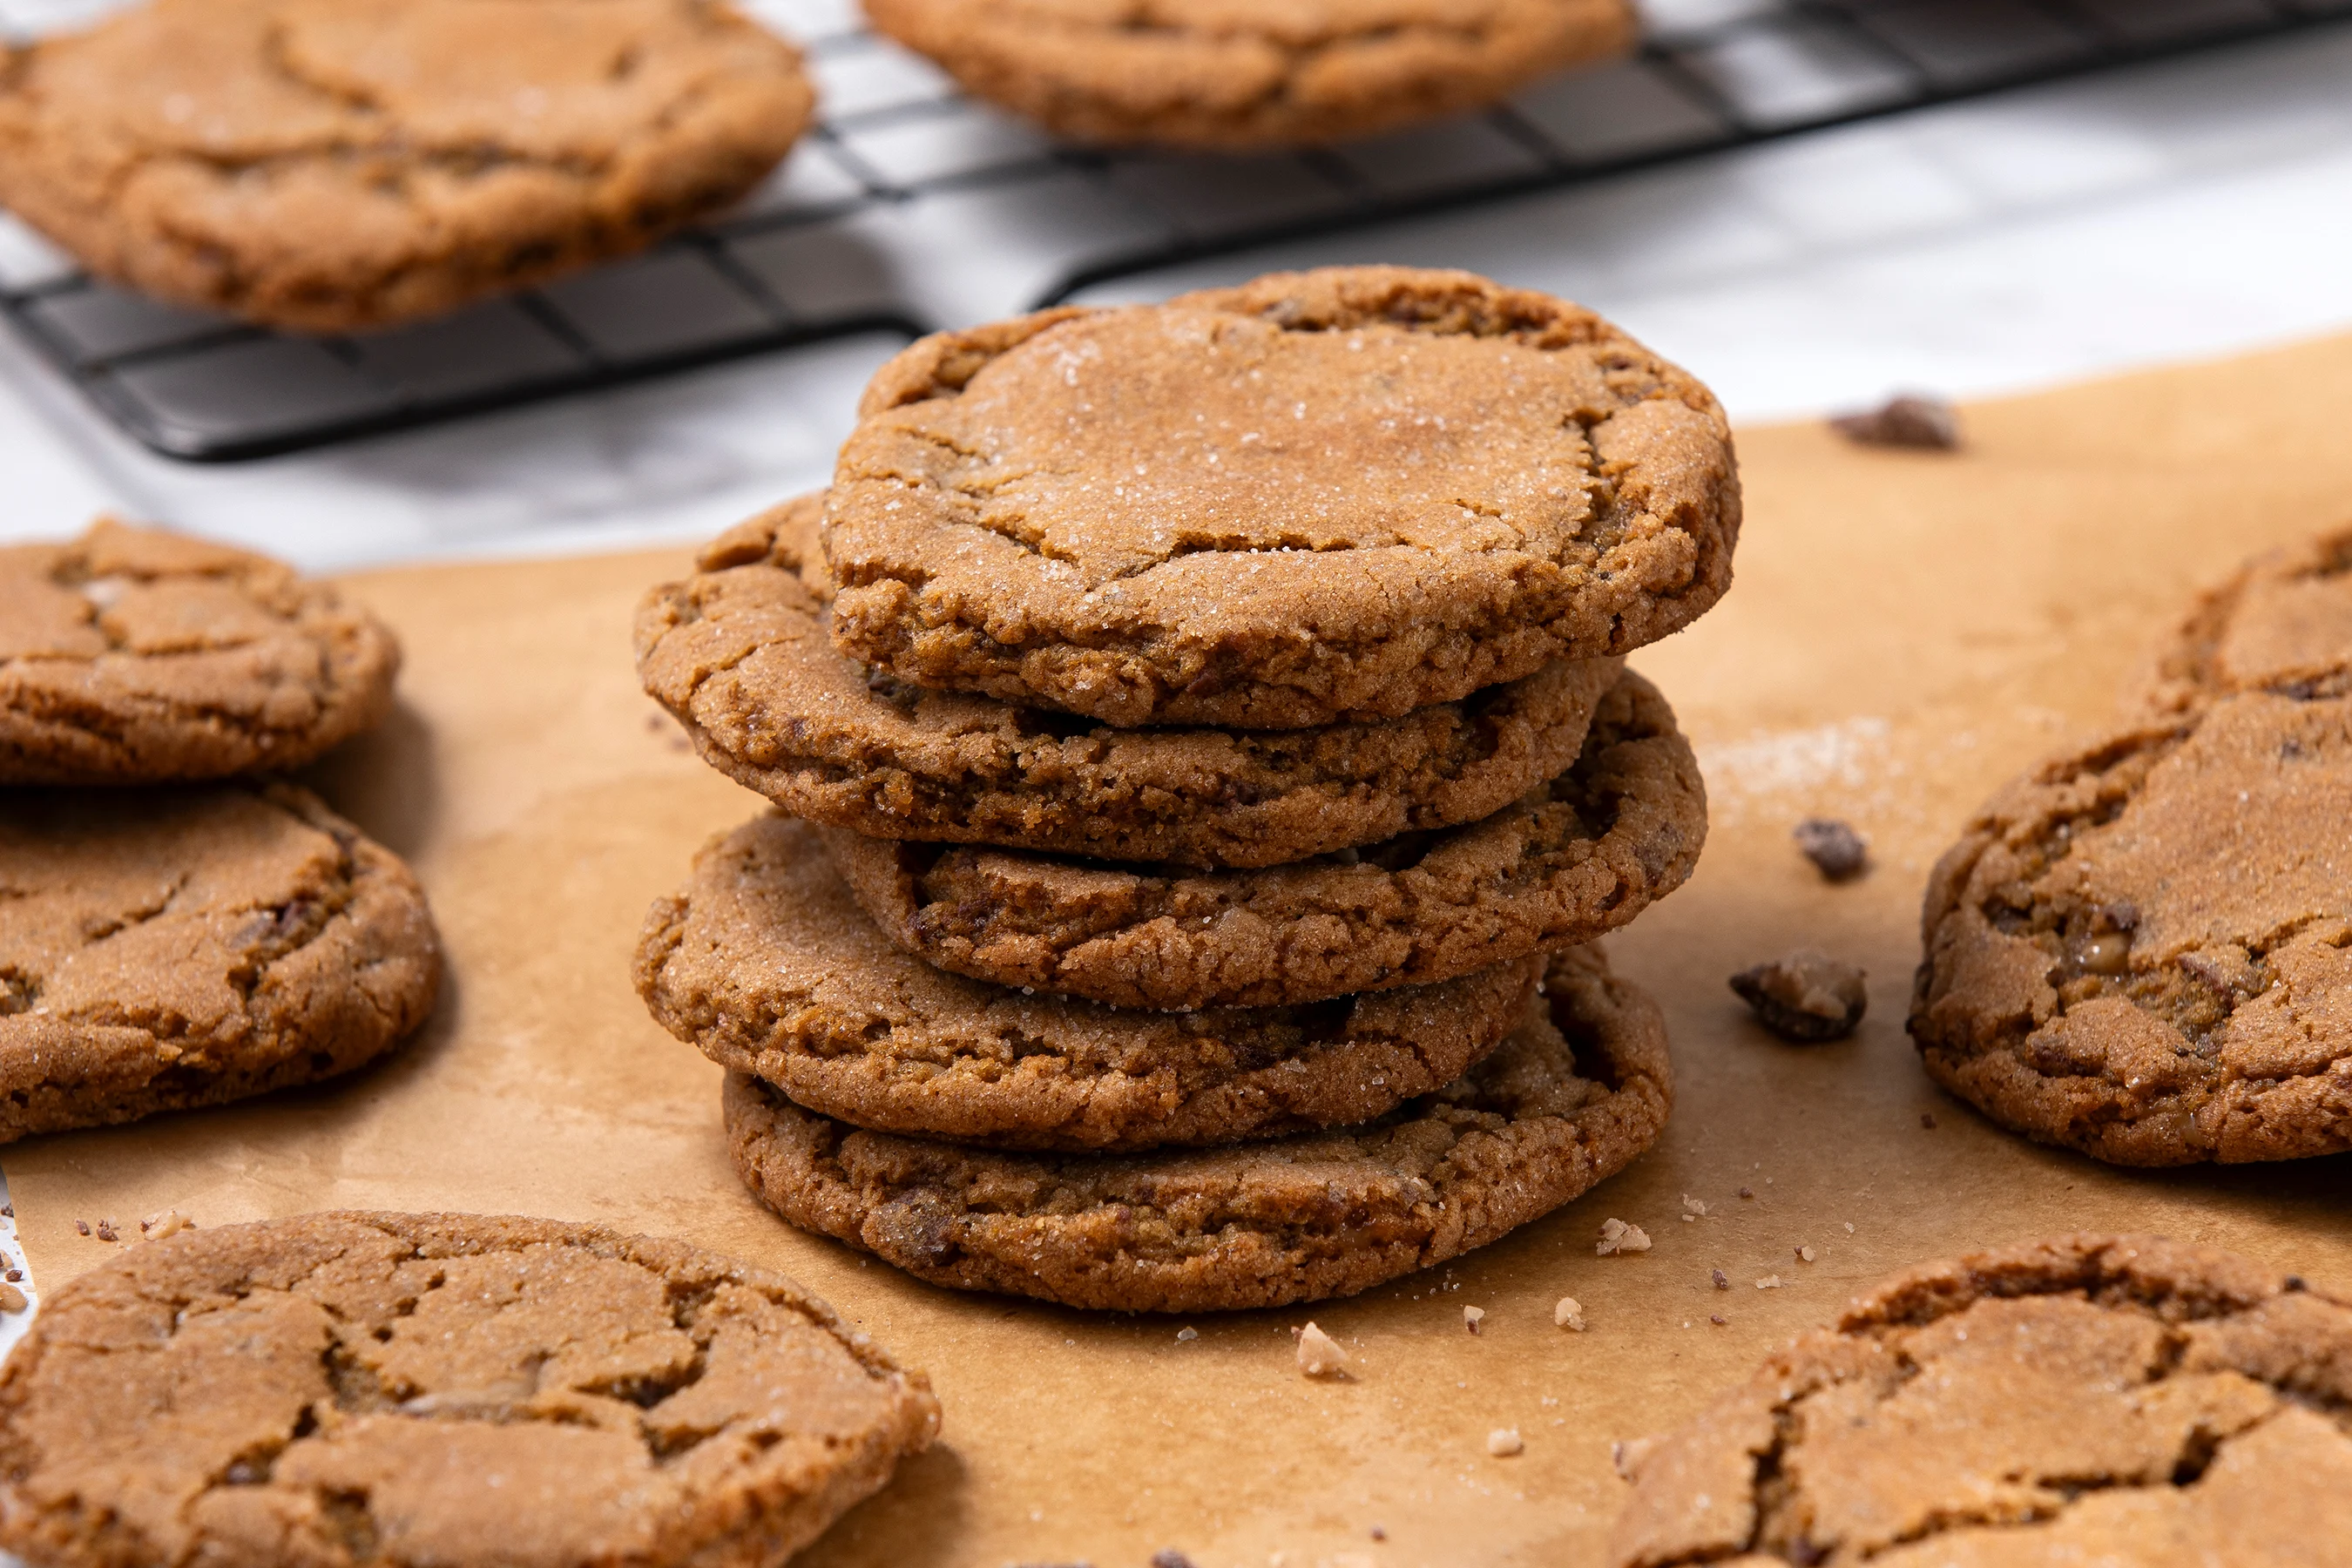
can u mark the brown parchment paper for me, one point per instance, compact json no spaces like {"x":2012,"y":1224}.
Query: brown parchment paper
{"x":1907,"y":630}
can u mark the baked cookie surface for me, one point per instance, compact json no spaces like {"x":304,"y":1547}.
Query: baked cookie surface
{"x":1239,"y":73}
{"x":1323,"y":496}
{"x":329,"y":166}
{"x":131,"y":655}
{"x":2089,"y":1399}
{"x":346,"y":1388}
{"x":740,"y":656}
{"x":1574,"y":858}
{"x":766,"y":966}
{"x":164,"y":949}
{"x":2283,"y":623}
{"x":1573,"y":1096}
{"x":2143,"y":950}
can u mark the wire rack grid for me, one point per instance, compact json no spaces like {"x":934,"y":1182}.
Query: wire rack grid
{"x":910,"y":207}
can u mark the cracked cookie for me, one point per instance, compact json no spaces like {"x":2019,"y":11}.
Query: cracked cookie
{"x":133,"y":655}
{"x":340,"y":1389}
{"x":766,"y":966}
{"x":2143,"y":950}
{"x":1578,"y":1092}
{"x":1236,"y":74}
{"x":1322,"y":496}
{"x":2088,"y":1399}
{"x":332,"y":166}
{"x":2282,"y":624}
{"x":165,"y":949}
{"x":1571,"y":860}
{"x":739,"y":655}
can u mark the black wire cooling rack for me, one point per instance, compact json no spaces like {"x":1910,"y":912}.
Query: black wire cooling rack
{"x":911,"y":207}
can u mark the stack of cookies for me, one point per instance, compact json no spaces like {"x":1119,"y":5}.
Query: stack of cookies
{"x":1203,"y":760}
{"x":174,"y":930}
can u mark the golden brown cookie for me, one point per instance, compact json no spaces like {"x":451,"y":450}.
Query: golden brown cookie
{"x":1572,"y":860}
{"x":2283,"y":623}
{"x":340,"y":1389}
{"x":162,"y":949}
{"x":1242,"y":73}
{"x":1321,"y":496}
{"x":766,"y":966}
{"x":2143,"y":949}
{"x":2086,"y":1400}
{"x":132,"y":656}
{"x":329,"y":166}
{"x":740,"y":655}
{"x":1572,"y":1098}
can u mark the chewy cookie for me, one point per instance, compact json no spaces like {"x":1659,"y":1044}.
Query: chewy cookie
{"x":1238,"y":74}
{"x":740,"y":656}
{"x":347,"y":1388}
{"x":1571,"y":1098}
{"x":1576,"y":857}
{"x":767,"y":966}
{"x":165,"y":950}
{"x":2282,"y":624}
{"x":2143,"y":950}
{"x":1322,"y":496}
{"x":2086,"y":1400}
{"x":131,"y":655}
{"x":329,"y":166}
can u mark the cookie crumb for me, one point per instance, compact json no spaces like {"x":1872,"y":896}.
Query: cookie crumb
{"x":1627,"y":1456}
{"x":1928,"y":1121}
{"x":11,"y":1298}
{"x":81,"y":1227}
{"x":1617,"y":1236}
{"x":1168,"y":1557}
{"x":1770,"y":1282}
{"x":1693,"y":1208}
{"x":1568,"y":1313}
{"x":1186,"y":1336}
{"x":1748,"y":1192}
{"x":1836,"y":850}
{"x":1472,"y":1317}
{"x":1806,"y":996}
{"x":1379,"y":1534}
{"x":1911,"y":420}
{"x":1319,"y":1354}
{"x":1504,"y":1441}
{"x":1804,"y":1255}
{"x":1722,"y":1280}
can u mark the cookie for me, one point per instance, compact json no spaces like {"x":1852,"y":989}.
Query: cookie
{"x":455,"y":1389}
{"x":2282,"y":624}
{"x":1321,"y":496}
{"x":766,"y":966}
{"x":1221,"y":74}
{"x":739,"y":655}
{"x":2143,"y":950}
{"x":165,"y":950}
{"x":1578,"y":856}
{"x":329,"y":166}
{"x":134,"y":656}
{"x":2084,"y":1400}
{"x":1576,"y":1092}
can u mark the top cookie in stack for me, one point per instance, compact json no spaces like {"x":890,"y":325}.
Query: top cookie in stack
{"x":1249,"y":658}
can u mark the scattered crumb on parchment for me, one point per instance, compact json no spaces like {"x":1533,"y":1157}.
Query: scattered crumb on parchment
{"x":1569,"y":1313}
{"x":1319,"y":1354}
{"x":1617,"y":1236}
{"x":1504,"y":1441}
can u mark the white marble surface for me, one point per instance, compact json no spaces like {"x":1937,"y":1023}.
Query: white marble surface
{"x":2172,"y":211}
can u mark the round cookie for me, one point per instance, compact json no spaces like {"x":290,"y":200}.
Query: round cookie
{"x":2084,"y":1400}
{"x":2283,"y":623}
{"x":405,"y":1389}
{"x":2143,"y":950}
{"x":132,"y":656}
{"x":1321,"y":496}
{"x":1236,"y":74}
{"x":1579,"y":857}
{"x":161,"y":951}
{"x":739,"y":655}
{"x":330,"y":165}
{"x":766,"y":966}
{"x":1572,"y":1098}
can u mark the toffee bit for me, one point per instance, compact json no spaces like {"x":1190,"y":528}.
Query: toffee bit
{"x":7,"y":1211}
{"x":1472,"y":1317}
{"x":1504,"y":1441}
{"x":1718,"y":1319}
{"x":14,"y":1276}
{"x":1319,"y":1354}
{"x":1910,"y":420}
{"x":1168,"y":1557}
{"x":1807,"y":996}
{"x":1617,"y":1236}
{"x":81,"y":1227}
{"x":106,"y":1232}
{"x":1748,"y":1192}
{"x":1379,"y":1534}
{"x":1568,"y":1313}
{"x":1722,"y":1280}
{"x":1836,"y":850}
